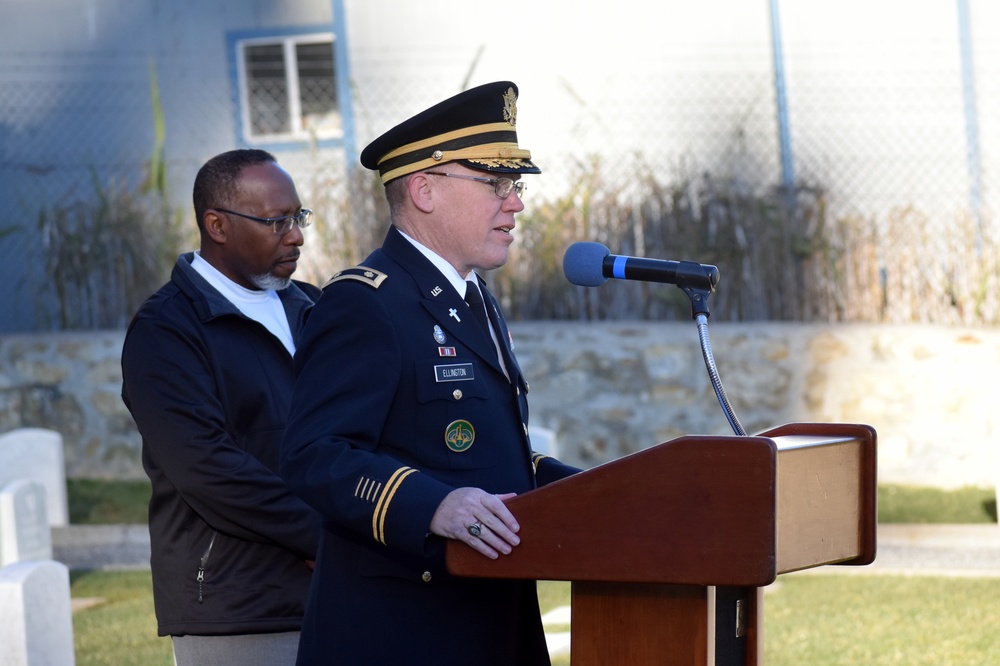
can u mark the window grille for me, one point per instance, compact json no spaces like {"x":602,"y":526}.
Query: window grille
{"x":288,"y":89}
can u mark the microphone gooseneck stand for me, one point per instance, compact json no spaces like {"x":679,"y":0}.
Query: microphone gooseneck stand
{"x":713,"y":374}
{"x":698,"y":286}
{"x":729,"y":601}
{"x":698,"y":282}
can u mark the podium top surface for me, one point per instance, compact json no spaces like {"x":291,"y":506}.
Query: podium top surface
{"x":699,"y":510}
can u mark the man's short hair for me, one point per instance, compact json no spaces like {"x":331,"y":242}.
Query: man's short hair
{"x":396,"y":193}
{"x":218,"y":180}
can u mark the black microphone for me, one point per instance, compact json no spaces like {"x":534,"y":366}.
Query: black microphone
{"x":591,"y":264}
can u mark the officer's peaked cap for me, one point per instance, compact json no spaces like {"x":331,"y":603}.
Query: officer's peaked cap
{"x":476,"y":128}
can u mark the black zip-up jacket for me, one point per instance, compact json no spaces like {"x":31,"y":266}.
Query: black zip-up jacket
{"x":209,"y":390}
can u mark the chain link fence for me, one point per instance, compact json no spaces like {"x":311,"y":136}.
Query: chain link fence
{"x":98,"y":151}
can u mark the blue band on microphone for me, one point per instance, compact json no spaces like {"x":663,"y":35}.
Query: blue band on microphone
{"x":618,"y":270}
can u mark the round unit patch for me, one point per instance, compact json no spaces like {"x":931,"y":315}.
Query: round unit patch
{"x":459,"y":436}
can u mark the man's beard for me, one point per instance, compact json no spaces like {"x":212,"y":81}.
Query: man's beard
{"x":267,"y":281}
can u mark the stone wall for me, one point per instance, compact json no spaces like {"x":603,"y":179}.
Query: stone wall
{"x":71,"y":383}
{"x":609,"y":389}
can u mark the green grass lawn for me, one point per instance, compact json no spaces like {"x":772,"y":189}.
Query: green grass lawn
{"x":119,"y":629}
{"x":866,"y":620}
{"x":913,"y":504}
{"x":97,"y":502}
{"x":861,"y":619}
{"x":815,"y":619}
{"x":93,"y":502}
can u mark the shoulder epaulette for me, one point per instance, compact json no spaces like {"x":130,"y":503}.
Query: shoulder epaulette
{"x":369,"y":276}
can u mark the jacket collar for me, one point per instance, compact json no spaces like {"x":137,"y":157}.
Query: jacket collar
{"x":210,"y":304}
{"x":444,"y":303}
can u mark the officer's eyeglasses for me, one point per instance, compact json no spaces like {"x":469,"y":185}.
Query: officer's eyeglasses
{"x":502,"y":186}
{"x":280,"y":225}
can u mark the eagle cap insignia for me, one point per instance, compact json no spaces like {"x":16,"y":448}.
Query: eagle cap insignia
{"x":510,"y":107}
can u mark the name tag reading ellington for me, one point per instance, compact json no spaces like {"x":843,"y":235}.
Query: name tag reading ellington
{"x":457,"y":372}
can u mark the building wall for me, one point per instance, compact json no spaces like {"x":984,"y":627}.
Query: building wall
{"x":876,"y":98}
{"x":875,"y":91}
{"x":608,"y":390}
{"x":77,"y":112}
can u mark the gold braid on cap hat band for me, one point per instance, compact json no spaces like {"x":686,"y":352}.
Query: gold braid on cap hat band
{"x":491,"y":155}
{"x":505,"y":153}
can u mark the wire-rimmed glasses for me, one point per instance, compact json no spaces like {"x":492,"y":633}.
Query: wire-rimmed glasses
{"x":280,"y":225}
{"x":502,"y":186}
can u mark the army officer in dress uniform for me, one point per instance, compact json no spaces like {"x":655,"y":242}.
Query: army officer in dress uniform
{"x":409,"y":422}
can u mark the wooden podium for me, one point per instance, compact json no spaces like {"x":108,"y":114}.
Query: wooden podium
{"x":668,"y":548}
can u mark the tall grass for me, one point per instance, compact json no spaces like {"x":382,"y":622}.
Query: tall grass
{"x":778,"y":261}
{"x":780,"y":258}
{"x":106,"y":251}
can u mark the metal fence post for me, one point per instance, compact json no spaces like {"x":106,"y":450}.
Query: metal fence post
{"x":971,"y":121}
{"x":781,"y":98}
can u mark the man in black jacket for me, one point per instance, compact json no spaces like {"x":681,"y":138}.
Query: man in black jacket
{"x":207,"y":368}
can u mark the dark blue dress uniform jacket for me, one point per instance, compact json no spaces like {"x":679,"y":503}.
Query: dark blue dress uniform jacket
{"x":399,"y":400}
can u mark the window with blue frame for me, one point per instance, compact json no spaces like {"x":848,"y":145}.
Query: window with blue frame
{"x":288,"y":88}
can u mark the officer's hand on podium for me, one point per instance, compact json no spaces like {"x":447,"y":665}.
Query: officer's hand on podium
{"x":479,"y":519}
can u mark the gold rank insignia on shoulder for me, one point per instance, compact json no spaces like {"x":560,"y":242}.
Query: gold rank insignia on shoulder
{"x":369,"y":276}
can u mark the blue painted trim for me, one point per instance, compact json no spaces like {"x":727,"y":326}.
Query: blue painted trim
{"x":234,"y":36}
{"x":971,"y":115}
{"x":234,"y":87}
{"x":781,"y":99}
{"x":345,"y":97}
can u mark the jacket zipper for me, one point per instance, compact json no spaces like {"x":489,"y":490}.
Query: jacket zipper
{"x":201,"y":568}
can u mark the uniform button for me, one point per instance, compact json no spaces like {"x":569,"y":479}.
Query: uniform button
{"x":426,"y":576}
{"x":457,"y":394}
{"x":518,"y":390}
{"x":525,"y":426}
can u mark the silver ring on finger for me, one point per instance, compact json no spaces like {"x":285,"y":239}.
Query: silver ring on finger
{"x":475,"y":529}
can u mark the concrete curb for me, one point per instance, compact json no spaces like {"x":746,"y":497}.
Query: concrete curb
{"x":101,"y":546}
{"x":958,"y":550}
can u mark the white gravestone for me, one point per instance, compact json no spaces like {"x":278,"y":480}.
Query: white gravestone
{"x":543,"y":440}
{"x":36,"y":619}
{"x":24,"y":526}
{"x":37,"y":454}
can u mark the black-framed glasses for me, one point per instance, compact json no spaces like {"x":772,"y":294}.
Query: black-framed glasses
{"x":502,"y":186}
{"x":280,"y":225}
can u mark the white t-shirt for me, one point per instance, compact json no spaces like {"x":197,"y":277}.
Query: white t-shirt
{"x":261,"y":305}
